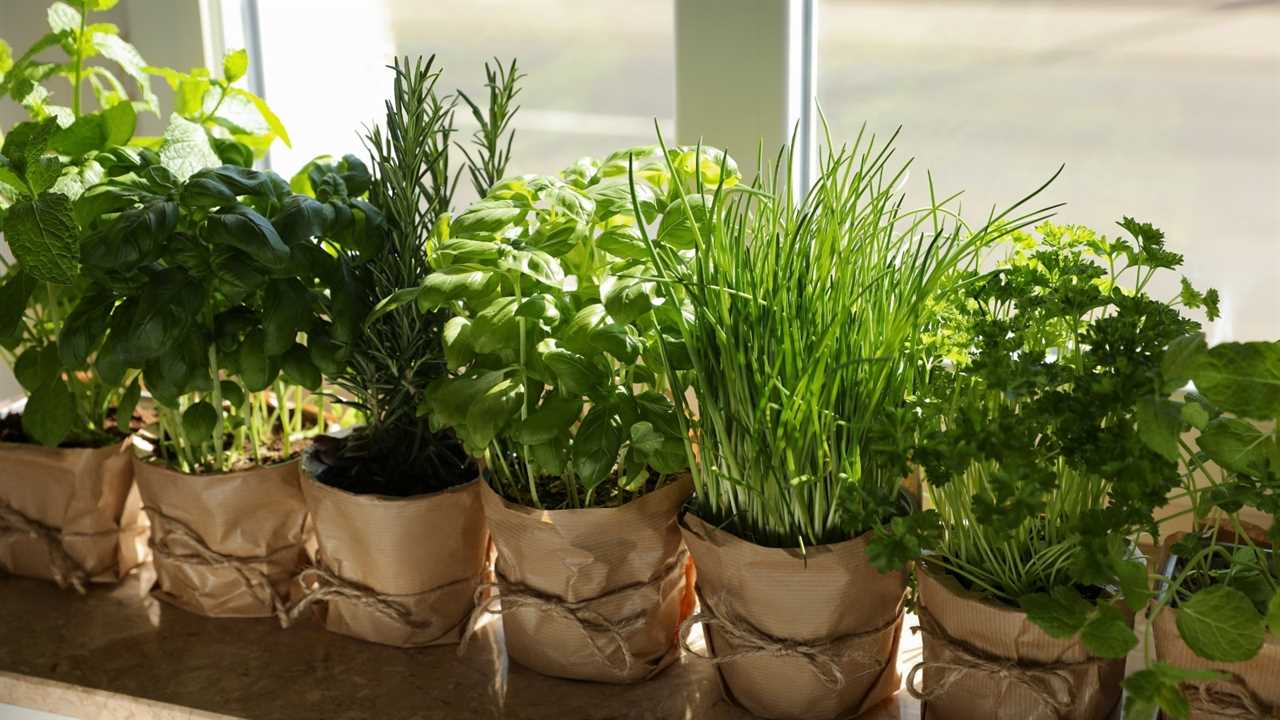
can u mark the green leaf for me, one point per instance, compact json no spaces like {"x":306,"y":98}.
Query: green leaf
{"x":287,"y":307}
{"x":49,"y":413}
{"x":1242,"y":378}
{"x":234,"y":65}
{"x":1195,"y":414}
{"x":242,"y":227}
{"x":268,"y":116}
{"x":257,"y":372}
{"x":186,"y":149}
{"x":552,"y":419}
{"x":1180,"y":359}
{"x":37,"y":366}
{"x":84,"y":328}
{"x":458,"y":350}
{"x":486,"y":217}
{"x":198,"y":422}
{"x":43,"y":236}
{"x":130,"y":60}
{"x":128,"y":402}
{"x":1273,"y":613}
{"x":1220,"y":623}
{"x":1160,"y":425}
{"x":1108,"y":633}
{"x":596,"y":445}
{"x":16,"y":289}
{"x":1134,"y":584}
{"x":86,"y":134}
{"x":451,"y":284}
{"x":43,"y":173}
{"x":627,"y":298}
{"x":1236,"y":445}
{"x":496,"y":327}
{"x":645,"y":439}
{"x":63,"y":18}
{"x":299,"y":369}
{"x":1061,"y":613}
{"x":492,"y":411}
{"x":575,"y":375}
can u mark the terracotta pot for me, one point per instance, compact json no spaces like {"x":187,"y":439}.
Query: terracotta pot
{"x":69,"y":515}
{"x":595,"y":593}
{"x":985,"y":659}
{"x":812,"y":635}
{"x":397,"y":571}
{"x":227,"y":544}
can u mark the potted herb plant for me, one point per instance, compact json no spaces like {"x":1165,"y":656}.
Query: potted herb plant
{"x":394,"y":486}
{"x":1211,"y":646}
{"x":802,"y":331}
{"x":202,"y":282}
{"x":1038,"y":475}
{"x":554,"y":340}
{"x":65,"y":494}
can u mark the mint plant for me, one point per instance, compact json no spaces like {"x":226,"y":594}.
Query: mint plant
{"x":1031,"y":437}
{"x":46,"y":165}
{"x":555,"y":329}
{"x":1224,"y":586}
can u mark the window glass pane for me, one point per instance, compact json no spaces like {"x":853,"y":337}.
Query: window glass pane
{"x":1168,"y":111}
{"x":598,"y":72}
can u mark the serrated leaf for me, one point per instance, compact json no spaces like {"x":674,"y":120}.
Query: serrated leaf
{"x":130,"y":60}
{"x":1242,"y":378}
{"x":1108,"y":633}
{"x":63,"y":18}
{"x":1061,"y":613}
{"x":1220,"y":623}
{"x":234,"y":65}
{"x":1236,"y":445}
{"x":186,"y":149}
{"x":43,"y":236}
{"x":1194,"y":414}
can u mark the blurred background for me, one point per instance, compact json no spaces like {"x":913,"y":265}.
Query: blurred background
{"x":1166,"y":110}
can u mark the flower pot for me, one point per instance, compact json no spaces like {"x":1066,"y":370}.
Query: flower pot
{"x":226,"y":544}
{"x":984,"y":659}
{"x":397,"y":571}
{"x":70,"y":515}
{"x":594,"y":593}
{"x":812,"y":635}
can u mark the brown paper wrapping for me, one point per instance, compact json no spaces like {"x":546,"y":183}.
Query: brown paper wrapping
{"x":1088,"y":689}
{"x":628,"y":557}
{"x":253,"y":529}
{"x":829,"y":599}
{"x":85,"y":494}
{"x":424,"y":554}
{"x":1254,"y":690}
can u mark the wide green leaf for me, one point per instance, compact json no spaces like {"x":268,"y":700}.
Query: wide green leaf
{"x":186,"y":149}
{"x":1242,"y":378}
{"x":1236,"y":445}
{"x":43,"y":236}
{"x":234,"y":65}
{"x":242,"y":227}
{"x":1061,"y":613}
{"x":1108,"y":633}
{"x":1220,"y":623}
{"x":553,"y":418}
{"x":49,"y":413}
{"x":198,"y":421}
{"x":596,"y":445}
{"x":493,"y":411}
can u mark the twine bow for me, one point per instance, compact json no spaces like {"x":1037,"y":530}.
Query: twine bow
{"x":65,"y":569}
{"x":329,"y":586}
{"x":824,"y":657}
{"x":165,"y":528}
{"x":1229,"y":697}
{"x":514,"y":596}
{"x":1044,"y":680}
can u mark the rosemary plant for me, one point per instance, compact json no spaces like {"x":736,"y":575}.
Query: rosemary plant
{"x":803,"y":328}
{"x":398,"y":352}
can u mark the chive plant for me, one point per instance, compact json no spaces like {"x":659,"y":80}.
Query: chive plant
{"x":802,"y":325}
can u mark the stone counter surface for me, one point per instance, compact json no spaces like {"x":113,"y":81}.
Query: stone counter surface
{"x":60,"y":651}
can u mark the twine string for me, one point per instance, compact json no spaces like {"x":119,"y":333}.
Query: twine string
{"x":602,"y":634}
{"x":66,"y":570}
{"x":824,"y":657}
{"x":1229,"y":697}
{"x":1050,"y":683}
{"x":166,"y":528}
{"x":330,"y":586}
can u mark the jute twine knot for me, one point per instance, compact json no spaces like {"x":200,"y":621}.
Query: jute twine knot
{"x":1229,"y":697}
{"x":824,"y":657}
{"x":65,"y":569}
{"x":602,"y":634}
{"x":1050,"y":683}
{"x":331,"y":586}
{"x":166,"y":528}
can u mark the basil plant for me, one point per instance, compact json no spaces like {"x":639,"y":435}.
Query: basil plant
{"x":557,"y":326}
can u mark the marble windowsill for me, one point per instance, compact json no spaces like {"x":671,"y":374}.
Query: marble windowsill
{"x":113,"y":654}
